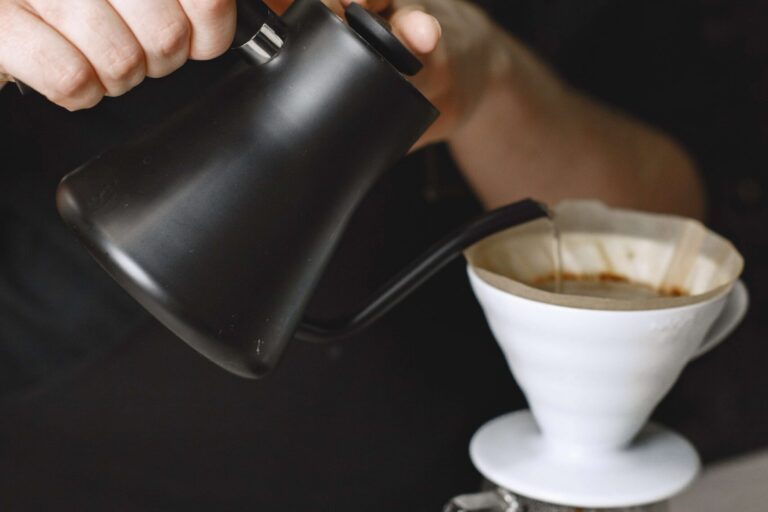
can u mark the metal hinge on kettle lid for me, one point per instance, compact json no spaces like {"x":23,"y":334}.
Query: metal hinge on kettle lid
{"x":260,"y":35}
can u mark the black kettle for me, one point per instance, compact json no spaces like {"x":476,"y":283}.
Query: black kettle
{"x":221,"y":221}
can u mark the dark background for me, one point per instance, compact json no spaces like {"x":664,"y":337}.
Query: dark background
{"x":102,"y":409}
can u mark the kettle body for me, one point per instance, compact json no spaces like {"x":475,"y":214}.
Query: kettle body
{"x":221,"y":221}
{"x":264,"y":172}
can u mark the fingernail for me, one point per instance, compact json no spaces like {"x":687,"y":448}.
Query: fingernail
{"x":423,"y":31}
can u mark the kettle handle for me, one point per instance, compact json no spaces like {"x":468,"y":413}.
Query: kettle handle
{"x":437,"y":257}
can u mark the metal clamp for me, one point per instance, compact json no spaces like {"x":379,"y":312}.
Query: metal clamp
{"x":263,"y":46}
{"x":497,"y":500}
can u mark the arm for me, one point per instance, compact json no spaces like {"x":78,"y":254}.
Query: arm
{"x":532,"y":135}
{"x":516,"y":130}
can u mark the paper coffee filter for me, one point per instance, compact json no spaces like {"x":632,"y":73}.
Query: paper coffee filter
{"x":665,"y":252}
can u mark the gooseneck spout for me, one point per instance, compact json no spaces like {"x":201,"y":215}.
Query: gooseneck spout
{"x":437,"y":257}
{"x":221,"y":220}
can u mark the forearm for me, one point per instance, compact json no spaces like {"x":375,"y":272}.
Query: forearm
{"x":533,"y":136}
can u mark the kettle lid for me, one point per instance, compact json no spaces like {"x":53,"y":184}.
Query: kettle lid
{"x":377,"y":32}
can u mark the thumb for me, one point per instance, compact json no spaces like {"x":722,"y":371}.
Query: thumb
{"x":419,"y":31}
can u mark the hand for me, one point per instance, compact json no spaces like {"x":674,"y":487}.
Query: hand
{"x":459,"y":47}
{"x":75,"y":52}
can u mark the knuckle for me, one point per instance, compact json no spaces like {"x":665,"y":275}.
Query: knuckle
{"x":172,"y":39}
{"x":72,"y":80}
{"x":213,"y":24}
{"x":212,"y":8}
{"x":125,"y":64}
{"x":209,"y":51}
{"x":83,"y":103}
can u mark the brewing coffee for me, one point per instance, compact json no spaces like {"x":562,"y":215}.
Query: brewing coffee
{"x":604,"y":285}
{"x":607,"y":285}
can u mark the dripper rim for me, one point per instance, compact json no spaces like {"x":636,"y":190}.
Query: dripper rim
{"x":593,"y":303}
{"x":601,"y":220}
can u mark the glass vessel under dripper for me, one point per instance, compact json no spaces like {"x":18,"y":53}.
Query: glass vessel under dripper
{"x":502,"y":500}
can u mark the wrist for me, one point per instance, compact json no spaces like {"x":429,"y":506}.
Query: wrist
{"x":517,"y":91}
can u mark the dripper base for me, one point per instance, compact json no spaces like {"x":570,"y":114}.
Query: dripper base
{"x":510,"y":452}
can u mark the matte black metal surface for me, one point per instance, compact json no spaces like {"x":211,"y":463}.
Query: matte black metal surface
{"x":221,"y":221}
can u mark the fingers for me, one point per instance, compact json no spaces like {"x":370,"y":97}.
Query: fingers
{"x":162,"y":29}
{"x":76,"y":51}
{"x":100,"y":34}
{"x":419,"y":31}
{"x":38,"y":55}
{"x":213,"y":26}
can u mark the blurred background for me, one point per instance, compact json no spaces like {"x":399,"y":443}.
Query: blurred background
{"x":102,"y":409}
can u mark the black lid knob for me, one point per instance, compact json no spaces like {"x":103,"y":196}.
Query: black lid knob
{"x":378,"y":33}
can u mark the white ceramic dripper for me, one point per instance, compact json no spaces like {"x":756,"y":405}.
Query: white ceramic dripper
{"x":593,"y":369}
